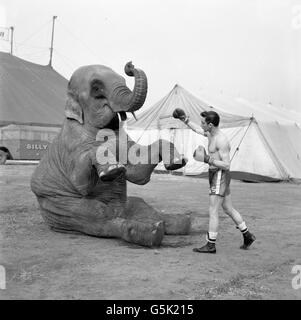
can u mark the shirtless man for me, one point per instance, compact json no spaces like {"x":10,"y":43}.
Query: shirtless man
{"x":219,"y":176}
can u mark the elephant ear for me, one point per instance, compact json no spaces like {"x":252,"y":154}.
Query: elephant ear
{"x":73,"y":110}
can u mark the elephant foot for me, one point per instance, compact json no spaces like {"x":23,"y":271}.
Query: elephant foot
{"x":176,"y":224}
{"x":177,"y":163}
{"x":112,"y":172}
{"x":144,"y":234}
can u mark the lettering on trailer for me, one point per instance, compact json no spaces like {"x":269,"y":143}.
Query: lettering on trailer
{"x":36,"y":146}
{"x":33,"y":149}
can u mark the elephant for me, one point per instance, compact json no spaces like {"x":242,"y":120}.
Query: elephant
{"x":76,"y":192}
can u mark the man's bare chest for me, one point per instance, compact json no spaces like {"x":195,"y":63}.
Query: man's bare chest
{"x":212,"y":147}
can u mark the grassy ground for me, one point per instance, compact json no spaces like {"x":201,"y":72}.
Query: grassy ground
{"x":41,"y":264}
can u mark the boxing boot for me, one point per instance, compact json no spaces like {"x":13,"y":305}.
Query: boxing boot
{"x":207,"y":248}
{"x":249,"y":238}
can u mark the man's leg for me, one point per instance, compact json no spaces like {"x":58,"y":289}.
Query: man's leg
{"x":214,"y":205}
{"x":230,"y":211}
{"x":228,"y":208}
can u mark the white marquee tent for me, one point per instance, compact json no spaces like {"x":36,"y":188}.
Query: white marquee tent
{"x":265,"y":142}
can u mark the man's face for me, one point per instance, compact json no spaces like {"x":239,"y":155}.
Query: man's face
{"x":205,"y":126}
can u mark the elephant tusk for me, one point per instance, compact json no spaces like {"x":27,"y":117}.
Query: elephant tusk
{"x":122,"y":116}
{"x":133,"y":113}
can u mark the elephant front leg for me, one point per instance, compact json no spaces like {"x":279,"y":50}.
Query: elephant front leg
{"x":142,"y":160}
{"x":108,"y":169}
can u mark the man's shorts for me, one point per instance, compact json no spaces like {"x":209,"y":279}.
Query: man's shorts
{"x":219,"y":182}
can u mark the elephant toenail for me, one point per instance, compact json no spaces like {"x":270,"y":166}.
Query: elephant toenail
{"x":102,"y":174}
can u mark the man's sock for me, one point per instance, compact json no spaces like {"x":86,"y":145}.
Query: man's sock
{"x":243,"y":227}
{"x":211,"y":238}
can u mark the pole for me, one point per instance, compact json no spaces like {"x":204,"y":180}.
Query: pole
{"x":11,"y":39}
{"x":52,"y":36}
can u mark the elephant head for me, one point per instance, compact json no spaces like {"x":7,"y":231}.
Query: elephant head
{"x":96,"y":94}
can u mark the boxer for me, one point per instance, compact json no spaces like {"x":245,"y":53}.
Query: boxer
{"x":218,"y":159}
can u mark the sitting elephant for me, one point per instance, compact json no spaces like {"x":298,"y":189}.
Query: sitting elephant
{"x":79,"y":194}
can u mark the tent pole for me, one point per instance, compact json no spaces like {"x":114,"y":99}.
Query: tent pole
{"x":11,"y":40}
{"x":237,"y":148}
{"x":52,"y":36}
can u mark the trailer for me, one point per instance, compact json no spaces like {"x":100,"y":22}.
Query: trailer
{"x":25,"y":142}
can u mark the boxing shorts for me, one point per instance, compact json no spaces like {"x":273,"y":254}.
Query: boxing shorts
{"x":219,"y":182}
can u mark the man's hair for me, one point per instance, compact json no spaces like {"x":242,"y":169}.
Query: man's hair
{"x":211,"y":117}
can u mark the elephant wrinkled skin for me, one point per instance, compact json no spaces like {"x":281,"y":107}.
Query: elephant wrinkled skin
{"x":75,"y":191}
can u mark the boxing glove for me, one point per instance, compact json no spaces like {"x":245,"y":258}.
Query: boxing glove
{"x":180,"y":114}
{"x":201,"y":155}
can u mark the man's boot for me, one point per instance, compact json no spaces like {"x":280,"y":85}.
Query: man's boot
{"x":209,"y":247}
{"x":249,"y":238}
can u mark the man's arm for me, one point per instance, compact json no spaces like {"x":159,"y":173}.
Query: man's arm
{"x":193,"y":126}
{"x":180,"y":114}
{"x":224,"y":153}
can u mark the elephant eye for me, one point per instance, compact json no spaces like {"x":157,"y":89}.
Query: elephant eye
{"x":97,"y":93}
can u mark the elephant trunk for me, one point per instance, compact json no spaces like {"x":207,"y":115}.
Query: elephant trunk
{"x":130,"y":101}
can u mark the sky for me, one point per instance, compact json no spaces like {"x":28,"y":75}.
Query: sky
{"x":245,"y":48}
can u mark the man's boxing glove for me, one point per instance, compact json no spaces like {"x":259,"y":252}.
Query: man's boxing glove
{"x":180,"y":114}
{"x":201,"y":155}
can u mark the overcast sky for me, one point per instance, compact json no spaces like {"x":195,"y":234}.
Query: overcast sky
{"x":247,"y":48}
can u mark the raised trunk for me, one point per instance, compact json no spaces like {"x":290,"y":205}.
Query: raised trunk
{"x":126,"y":99}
